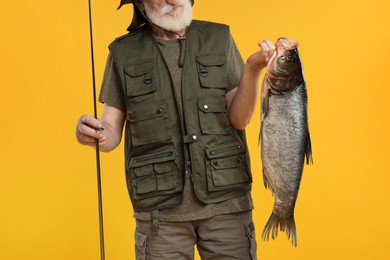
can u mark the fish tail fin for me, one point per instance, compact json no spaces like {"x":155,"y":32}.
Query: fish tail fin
{"x":271,"y":226}
{"x":289,"y":227}
{"x":275,"y":223}
{"x":308,"y":153}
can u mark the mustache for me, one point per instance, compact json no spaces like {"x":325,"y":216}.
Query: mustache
{"x":168,"y":8}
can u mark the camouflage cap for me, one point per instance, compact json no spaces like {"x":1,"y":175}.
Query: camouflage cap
{"x":138,"y":17}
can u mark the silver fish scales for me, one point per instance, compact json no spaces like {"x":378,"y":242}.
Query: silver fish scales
{"x":284,"y":135}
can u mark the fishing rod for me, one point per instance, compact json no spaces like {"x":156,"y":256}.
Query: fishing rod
{"x":99,"y":181}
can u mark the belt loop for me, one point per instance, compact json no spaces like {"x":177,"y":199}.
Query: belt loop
{"x":155,"y":222}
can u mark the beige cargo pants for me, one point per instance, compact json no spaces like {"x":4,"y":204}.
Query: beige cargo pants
{"x":229,"y":236}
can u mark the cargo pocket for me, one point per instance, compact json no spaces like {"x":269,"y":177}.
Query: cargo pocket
{"x":146,"y":181}
{"x":251,"y":234}
{"x":212,"y":115}
{"x":212,"y":71}
{"x":155,"y":174}
{"x":148,"y":123}
{"x":141,"y":240}
{"x":140,"y":79}
{"x":227,"y":167}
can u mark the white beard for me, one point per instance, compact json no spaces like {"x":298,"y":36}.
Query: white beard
{"x":168,"y":18}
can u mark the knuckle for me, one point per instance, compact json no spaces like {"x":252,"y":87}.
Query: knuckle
{"x":85,"y":119}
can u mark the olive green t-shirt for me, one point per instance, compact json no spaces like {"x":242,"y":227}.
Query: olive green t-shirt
{"x":191,"y":208}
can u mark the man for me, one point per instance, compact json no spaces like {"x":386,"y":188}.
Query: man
{"x":186,"y":97}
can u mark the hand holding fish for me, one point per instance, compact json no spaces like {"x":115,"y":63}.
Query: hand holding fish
{"x":260,"y":59}
{"x":242,"y":100}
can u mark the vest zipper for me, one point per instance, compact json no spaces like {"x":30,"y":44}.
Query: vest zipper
{"x":230,"y":148}
{"x":187,"y":152}
{"x":182,"y":119}
{"x":146,"y":158}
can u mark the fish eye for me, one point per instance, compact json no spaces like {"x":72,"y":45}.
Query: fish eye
{"x":290,"y":58}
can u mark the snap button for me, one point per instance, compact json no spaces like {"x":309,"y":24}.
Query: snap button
{"x":204,"y":73}
{"x":159,"y":111}
{"x":194,"y":137}
{"x":148,"y":81}
{"x":206,"y":107}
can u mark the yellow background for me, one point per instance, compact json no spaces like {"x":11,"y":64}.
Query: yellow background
{"x":48,"y":207}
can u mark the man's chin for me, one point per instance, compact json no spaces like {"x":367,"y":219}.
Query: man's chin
{"x":176,"y":20}
{"x":174,"y":30}
{"x":175,"y":27}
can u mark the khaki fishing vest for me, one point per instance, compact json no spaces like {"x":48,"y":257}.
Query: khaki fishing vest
{"x":155,"y":138}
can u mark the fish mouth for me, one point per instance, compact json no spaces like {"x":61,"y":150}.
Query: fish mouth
{"x":285,"y":44}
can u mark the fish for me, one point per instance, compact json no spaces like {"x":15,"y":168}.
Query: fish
{"x":284,"y":135}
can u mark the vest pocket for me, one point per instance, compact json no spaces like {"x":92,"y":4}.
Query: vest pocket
{"x":226,"y":167}
{"x":148,"y":123}
{"x":145,"y":179}
{"x":212,"y":71}
{"x":155,"y":174}
{"x":140,"y":78}
{"x":212,"y":115}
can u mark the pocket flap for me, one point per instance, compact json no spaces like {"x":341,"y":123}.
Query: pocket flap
{"x":212,"y":104}
{"x":140,"y":240}
{"x":139,"y":69}
{"x":145,"y":170}
{"x":149,"y":159}
{"x":146,"y":112}
{"x":225,"y":150}
{"x":212,"y":60}
{"x":226,"y":163}
{"x":163,"y":167}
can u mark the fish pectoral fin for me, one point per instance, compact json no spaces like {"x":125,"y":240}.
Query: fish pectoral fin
{"x":267,"y":184}
{"x":308,"y":152}
{"x":264,"y":108}
{"x":264,"y":104}
{"x":264,"y":98}
{"x":265,"y":180}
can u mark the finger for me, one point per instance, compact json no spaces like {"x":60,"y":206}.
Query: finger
{"x":91,"y":137}
{"x":83,"y":139}
{"x":271,"y":47}
{"x":91,"y":121}
{"x":86,"y":130}
{"x":264,"y":46}
{"x":268,"y":50}
{"x":270,"y":44}
{"x":268,"y":47}
{"x":265,"y":51}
